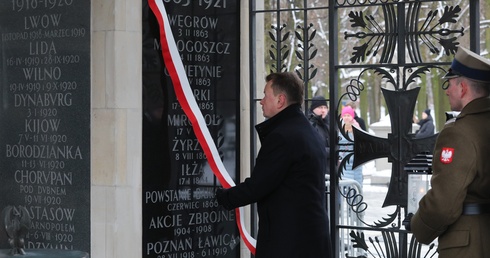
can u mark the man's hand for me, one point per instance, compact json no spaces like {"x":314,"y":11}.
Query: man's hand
{"x":222,"y":198}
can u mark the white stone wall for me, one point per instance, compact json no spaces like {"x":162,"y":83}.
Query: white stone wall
{"x":116,"y":206}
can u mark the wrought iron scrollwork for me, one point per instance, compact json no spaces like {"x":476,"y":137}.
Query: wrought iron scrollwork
{"x":304,"y":51}
{"x":429,"y":31}
{"x":279,"y":51}
{"x":384,"y":39}
{"x":399,"y":147}
{"x":374,"y":35}
{"x":308,"y":52}
{"x":388,"y":247}
{"x":362,"y":2}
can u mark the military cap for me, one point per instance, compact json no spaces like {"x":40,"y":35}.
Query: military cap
{"x":470,"y":65}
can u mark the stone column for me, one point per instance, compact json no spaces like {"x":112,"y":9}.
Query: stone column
{"x":116,"y":129}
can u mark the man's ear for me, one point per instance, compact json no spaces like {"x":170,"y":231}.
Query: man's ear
{"x":464,"y":88}
{"x":282,"y":101}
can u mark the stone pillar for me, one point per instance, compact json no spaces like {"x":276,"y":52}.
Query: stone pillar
{"x":116,"y":129}
{"x":245,"y":169}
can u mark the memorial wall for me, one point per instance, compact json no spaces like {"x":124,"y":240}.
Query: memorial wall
{"x":181,"y":217}
{"x":45,"y":119}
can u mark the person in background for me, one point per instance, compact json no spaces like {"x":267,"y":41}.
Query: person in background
{"x":288,"y":180}
{"x":346,"y":147}
{"x":319,"y":120}
{"x":359,"y":120}
{"x":456,"y":209}
{"x":426,"y":125}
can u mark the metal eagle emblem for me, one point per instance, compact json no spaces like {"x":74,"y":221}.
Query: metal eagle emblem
{"x":16,"y":221}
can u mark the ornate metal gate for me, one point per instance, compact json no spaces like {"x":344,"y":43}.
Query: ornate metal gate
{"x":387,"y":56}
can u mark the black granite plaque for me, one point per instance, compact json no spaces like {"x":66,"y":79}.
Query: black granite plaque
{"x":45,"y":119}
{"x":42,"y":253}
{"x":181,"y":217}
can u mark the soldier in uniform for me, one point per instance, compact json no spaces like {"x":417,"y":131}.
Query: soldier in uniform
{"x":457,"y":207}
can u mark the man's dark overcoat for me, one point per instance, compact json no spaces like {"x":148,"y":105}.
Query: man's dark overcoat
{"x":426,"y":127}
{"x":288,"y":185}
{"x":461,"y":165}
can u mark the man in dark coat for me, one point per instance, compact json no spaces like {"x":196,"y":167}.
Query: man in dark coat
{"x":426,"y":125}
{"x":288,"y":180}
{"x":457,"y":207}
{"x":318,"y":118}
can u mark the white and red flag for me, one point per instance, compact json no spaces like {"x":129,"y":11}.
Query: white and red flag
{"x":183,"y":91}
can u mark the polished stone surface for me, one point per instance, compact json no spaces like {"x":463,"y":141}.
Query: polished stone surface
{"x":51,"y":253}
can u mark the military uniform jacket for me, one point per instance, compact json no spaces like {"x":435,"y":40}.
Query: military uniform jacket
{"x":288,"y":185}
{"x":461,"y":174}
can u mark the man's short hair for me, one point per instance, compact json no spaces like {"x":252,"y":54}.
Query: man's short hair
{"x":289,"y":84}
{"x":479,"y":87}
